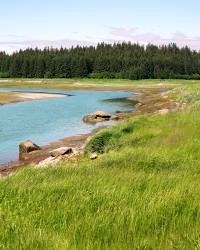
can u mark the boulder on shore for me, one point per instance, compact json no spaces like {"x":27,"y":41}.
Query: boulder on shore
{"x":61,"y":151}
{"x":93,"y":156}
{"x":26,"y":147}
{"x":101,"y":114}
{"x":97,"y":116}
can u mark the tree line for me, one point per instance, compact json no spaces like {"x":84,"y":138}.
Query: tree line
{"x":120,"y":60}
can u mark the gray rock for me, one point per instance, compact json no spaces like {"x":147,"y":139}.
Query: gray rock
{"x":93,"y":156}
{"x":163,"y":111}
{"x":91,"y":119}
{"x":101,"y":114}
{"x":97,"y":116}
{"x":50,"y":161}
{"x":115,"y":117}
{"x":138,"y":105}
{"x":61,"y":151}
{"x":26,"y":147}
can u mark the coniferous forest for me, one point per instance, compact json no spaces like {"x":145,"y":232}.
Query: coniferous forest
{"x":120,"y":60}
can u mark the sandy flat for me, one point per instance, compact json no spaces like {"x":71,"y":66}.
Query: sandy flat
{"x":34,"y":81}
{"x":37,"y":96}
{"x":11,"y":97}
{"x":5,"y":80}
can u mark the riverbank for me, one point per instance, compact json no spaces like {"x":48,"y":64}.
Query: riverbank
{"x":37,"y":156}
{"x":151,"y":100}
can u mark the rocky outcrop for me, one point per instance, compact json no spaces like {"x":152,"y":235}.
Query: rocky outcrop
{"x":97,"y":116}
{"x":26,"y":147}
{"x":59,"y":154}
{"x":50,"y":161}
{"x":100,"y":116}
{"x":61,"y":151}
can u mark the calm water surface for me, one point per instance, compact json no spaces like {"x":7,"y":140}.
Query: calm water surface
{"x":45,"y":121}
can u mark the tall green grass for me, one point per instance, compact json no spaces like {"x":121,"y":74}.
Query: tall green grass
{"x":143,"y":192}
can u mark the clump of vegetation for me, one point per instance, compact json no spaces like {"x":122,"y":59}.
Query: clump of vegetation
{"x":110,"y":138}
{"x":99,"y":142}
{"x":188,"y":93}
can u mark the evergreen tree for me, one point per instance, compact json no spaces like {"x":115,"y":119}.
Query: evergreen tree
{"x":120,"y":60}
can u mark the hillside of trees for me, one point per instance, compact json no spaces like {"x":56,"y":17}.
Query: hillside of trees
{"x":121,"y":60}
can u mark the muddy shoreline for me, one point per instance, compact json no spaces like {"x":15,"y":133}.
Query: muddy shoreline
{"x":37,"y":156}
{"x":151,"y":100}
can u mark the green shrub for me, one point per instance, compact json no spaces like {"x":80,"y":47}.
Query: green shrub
{"x":99,"y":142}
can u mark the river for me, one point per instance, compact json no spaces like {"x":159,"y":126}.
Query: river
{"x":48,"y":120}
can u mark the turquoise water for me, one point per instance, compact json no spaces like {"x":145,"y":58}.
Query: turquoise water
{"x":45,"y":121}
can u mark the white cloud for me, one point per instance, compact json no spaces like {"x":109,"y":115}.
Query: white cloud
{"x":11,"y":46}
{"x":132,"y":35}
{"x":123,"y":31}
{"x":117,"y":34}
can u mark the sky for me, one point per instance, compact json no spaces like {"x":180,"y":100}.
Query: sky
{"x":42,"y":23}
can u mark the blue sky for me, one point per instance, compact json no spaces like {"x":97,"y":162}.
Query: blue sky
{"x":30,"y":23}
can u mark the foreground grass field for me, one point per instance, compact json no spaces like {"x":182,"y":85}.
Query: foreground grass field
{"x":142,"y":193}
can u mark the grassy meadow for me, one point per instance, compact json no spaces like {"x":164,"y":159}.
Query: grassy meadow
{"x":87,"y":83}
{"x":143,"y":192}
